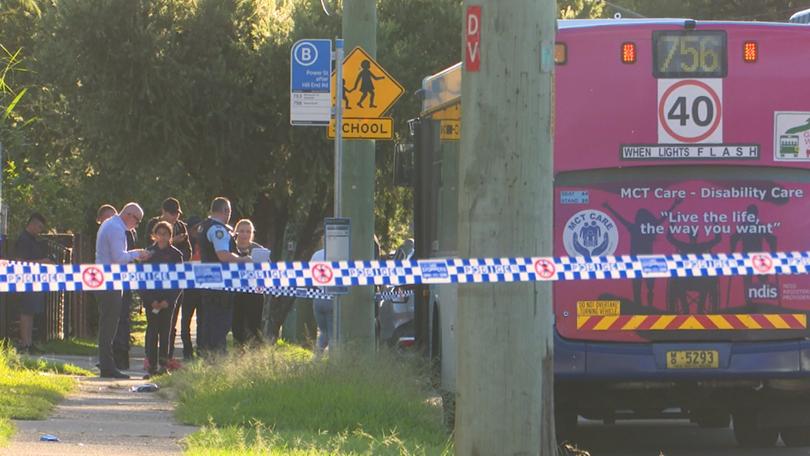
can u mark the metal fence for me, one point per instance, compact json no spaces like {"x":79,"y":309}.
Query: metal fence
{"x":65,"y":313}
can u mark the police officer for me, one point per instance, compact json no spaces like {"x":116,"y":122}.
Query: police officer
{"x":216,"y":307}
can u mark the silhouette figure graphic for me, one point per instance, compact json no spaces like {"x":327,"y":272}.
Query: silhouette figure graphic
{"x":365,"y":79}
{"x":752,"y":242}
{"x":678,"y":288}
{"x":642,"y":243}
{"x":345,"y":98}
{"x":591,"y":244}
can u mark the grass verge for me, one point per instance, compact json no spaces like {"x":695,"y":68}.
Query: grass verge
{"x":28,"y":389}
{"x":55,"y":367}
{"x":282,"y":401}
{"x":6,"y":431}
{"x":71,"y":346}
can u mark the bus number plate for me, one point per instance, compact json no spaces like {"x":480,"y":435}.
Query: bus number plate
{"x":693,"y":359}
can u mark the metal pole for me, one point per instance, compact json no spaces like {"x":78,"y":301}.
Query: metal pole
{"x":338,"y":125}
{"x":335,"y":336}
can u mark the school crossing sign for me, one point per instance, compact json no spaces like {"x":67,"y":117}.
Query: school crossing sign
{"x":368,"y":93}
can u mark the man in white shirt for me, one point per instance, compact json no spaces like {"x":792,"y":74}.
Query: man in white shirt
{"x":111,"y":248}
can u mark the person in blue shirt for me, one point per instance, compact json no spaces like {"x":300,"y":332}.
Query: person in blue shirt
{"x":111,"y":248}
{"x":215,"y":314}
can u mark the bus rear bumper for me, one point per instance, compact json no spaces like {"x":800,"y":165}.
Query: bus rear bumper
{"x":578,"y":360}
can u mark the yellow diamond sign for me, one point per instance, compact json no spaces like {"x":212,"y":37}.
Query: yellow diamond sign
{"x":368,"y":90}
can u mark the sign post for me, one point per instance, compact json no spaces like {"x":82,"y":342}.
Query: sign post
{"x":310,"y":68}
{"x":338,"y":187}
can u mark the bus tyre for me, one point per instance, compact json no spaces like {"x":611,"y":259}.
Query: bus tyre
{"x":748,"y":434}
{"x":798,"y":436}
{"x":565,"y":423}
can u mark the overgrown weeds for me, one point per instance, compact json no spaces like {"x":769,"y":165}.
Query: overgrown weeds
{"x":282,"y":400}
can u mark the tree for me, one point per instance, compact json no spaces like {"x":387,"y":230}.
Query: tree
{"x":739,"y":10}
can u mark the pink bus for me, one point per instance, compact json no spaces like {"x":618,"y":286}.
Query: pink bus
{"x":673,"y":136}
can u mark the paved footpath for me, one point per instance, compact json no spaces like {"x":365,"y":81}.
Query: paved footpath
{"x":103,"y":418}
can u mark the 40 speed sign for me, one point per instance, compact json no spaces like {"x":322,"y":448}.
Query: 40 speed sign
{"x":690,"y":111}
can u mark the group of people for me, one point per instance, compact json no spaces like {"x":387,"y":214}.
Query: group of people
{"x":171,"y":240}
{"x":167,"y":239}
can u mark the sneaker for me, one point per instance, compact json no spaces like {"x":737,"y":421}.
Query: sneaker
{"x":173,"y":364}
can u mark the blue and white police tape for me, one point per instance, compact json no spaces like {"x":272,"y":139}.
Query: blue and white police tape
{"x":27,"y":277}
{"x":313,"y":293}
{"x":304,"y":293}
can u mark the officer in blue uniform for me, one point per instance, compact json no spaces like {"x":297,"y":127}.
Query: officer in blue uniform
{"x":216,"y":307}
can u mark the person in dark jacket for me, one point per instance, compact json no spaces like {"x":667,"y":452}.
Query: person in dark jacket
{"x":247,"y":307}
{"x":30,"y":247}
{"x":159,"y":304}
{"x":170,"y":212}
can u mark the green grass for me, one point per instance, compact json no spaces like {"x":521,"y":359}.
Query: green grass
{"x":56,"y":367}
{"x":6,"y":431}
{"x":71,"y":346}
{"x":283,"y":401}
{"x":138,"y":328}
{"x":89,"y":347}
{"x":25,"y":393}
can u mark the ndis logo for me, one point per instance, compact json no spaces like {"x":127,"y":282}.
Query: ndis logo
{"x":590,"y":233}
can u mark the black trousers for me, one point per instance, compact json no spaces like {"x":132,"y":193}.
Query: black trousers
{"x":214,"y":317}
{"x":247,"y":318}
{"x":189,"y":301}
{"x":157,"y":336}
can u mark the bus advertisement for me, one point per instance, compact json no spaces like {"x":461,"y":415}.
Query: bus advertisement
{"x":671,"y":136}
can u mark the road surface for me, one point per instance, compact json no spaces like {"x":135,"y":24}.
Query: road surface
{"x":668,"y":437}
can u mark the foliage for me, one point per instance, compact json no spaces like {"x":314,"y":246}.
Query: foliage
{"x":764,"y":10}
{"x":287,"y":398}
{"x":142,"y":99}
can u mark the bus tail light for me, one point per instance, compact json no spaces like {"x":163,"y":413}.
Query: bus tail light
{"x":628,"y":52}
{"x":750,"y":51}
{"x":560,"y":53}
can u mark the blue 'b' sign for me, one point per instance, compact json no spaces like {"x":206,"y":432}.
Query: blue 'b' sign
{"x":311,"y":66}
{"x":306,"y":53}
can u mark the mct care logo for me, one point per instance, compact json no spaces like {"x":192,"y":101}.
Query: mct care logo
{"x":590,"y":233}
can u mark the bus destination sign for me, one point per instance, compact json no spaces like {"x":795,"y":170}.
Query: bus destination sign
{"x":689,"y":54}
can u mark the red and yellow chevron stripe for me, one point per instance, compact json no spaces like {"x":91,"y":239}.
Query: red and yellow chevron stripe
{"x":692,"y":322}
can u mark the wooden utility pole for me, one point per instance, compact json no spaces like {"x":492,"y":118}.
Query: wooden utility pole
{"x":505,"y":365}
{"x":356,"y":314}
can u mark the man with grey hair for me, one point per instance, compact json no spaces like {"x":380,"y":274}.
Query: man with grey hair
{"x":111,"y":248}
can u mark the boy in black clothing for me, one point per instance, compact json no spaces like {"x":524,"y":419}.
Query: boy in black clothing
{"x":159,"y":304}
